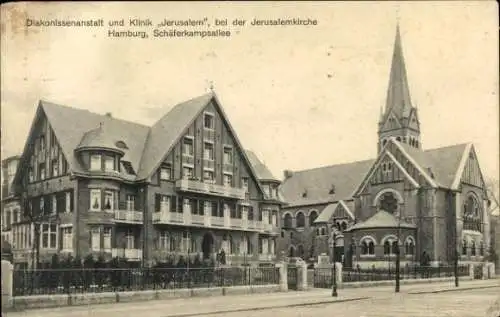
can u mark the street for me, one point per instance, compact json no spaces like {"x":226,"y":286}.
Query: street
{"x":469,"y":303}
{"x":472,"y":300}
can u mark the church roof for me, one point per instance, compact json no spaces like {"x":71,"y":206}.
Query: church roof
{"x":319,"y":182}
{"x":382,"y":219}
{"x":330,"y":209}
{"x":442,"y":164}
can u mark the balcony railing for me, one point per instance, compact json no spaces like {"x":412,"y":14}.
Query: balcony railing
{"x":129,"y":254}
{"x":266,"y":257}
{"x":187,"y":219}
{"x":196,"y":186}
{"x":129,"y":216}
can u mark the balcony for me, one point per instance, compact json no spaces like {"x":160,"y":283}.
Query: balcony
{"x":266,"y":257}
{"x":129,"y":254}
{"x":195,"y":186}
{"x":128,"y":216}
{"x":167,"y":217}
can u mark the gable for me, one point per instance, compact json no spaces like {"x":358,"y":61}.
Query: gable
{"x":471,"y":174}
{"x":208,"y":146}
{"x":391,"y":122}
{"x":42,"y":156}
{"x":389,"y":169}
{"x":342,"y":212}
{"x":413,"y":122}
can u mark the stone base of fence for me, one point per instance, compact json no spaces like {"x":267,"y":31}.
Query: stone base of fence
{"x":403,"y":282}
{"x":48,"y":301}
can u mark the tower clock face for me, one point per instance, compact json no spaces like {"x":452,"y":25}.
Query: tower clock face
{"x":389,"y":203}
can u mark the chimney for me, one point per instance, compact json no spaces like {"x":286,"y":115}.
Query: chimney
{"x":288,"y":174}
{"x":108,"y":114}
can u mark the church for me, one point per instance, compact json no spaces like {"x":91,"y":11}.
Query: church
{"x":428,"y":204}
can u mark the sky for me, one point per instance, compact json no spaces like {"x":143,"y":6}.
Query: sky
{"x":299,"y":96}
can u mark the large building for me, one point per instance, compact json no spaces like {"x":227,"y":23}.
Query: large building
{"x":11,"y":209}
{"x":431,"y":203}
{"x":95,"y":184}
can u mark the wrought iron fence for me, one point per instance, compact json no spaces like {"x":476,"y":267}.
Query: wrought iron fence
{"x":323,"y":276}
{"x":68,"y":281}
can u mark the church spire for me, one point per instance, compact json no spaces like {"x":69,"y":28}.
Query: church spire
{"x":399,"y":119}
{"x":398,"y":92}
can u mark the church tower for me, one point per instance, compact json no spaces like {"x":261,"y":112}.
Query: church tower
{"x":399,"y":118}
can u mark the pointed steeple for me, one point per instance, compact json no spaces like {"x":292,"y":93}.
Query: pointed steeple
{"x":398,"y":92}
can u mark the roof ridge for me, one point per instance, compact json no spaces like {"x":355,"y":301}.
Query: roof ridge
{"x":333,"y":165}
{"x":49,"y":103}
{"x":448,"y":146}
{"x":181,"y":103}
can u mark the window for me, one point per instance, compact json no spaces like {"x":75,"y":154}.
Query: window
{"x":301,"y":220}
{"x":265,"y":188}
{"x":67,"y":242}
{"x":42,"y":205}
{"x":288,"y":221}
{"x":389,"y":203}
{"x":208,"y":176}
{"x":41,"y":171}
{"x":188,"y":147}
{"x":95,"y":239}
{"x":208,"y":152}
{"x":109,"y":163}
{"x":209,"y":207}
{"x":312,"y":217}
{"x":464,"y":247}
{"x":187,"y":172}
{"x":130,"y":202}
{"x":391,"y":246}
{"x":186,"y":205}
{"x":42,"y":143}
{"x":128,"y":167}
{"x":228,"y":155}
{"x":130,"y":239}
{"x":473,"y":248}
{"x":95,"y":162}
{"x":472,"y":215}
{"x":31,"y":176}
{"x":68,"y":202}
{"x":208,"y":121}
{"x":228,"y":180}
{"x":244,"y":183}
{"x":249,"y":212}
{"x":481,"y":249}
{"x":186,"y":242}
{"x":166,"y":172}
{"x":163,"y":240}
{"x":163,"y":204}
{"x":54,"y":204}
{"x":367,"y":246}
{"x":95,"y":199}
{"x":49,"y":236}
{"x":55,"y":168}
{"x":107,"y":238}
{"x":109,"y":199}
{"x":409,"y":246}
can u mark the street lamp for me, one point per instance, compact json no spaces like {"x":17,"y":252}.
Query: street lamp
{"x":334,"y":284}
{"x":398,"y":254}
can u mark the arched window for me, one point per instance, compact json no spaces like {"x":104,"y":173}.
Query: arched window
{"x":300,"y":251}
{"x":472,"y":214}
{"x":288,"y":221}
{"x":473,"y":248}
{"x":481,"y":249}
{"x":389,"y":203}
{"x":409,"y":246}
{"x":312,"y":217}
{"x":343,"y":227}
{"x":464,"y":247}
{"x":227,"y":243}
{"x":395,"y":247}
{"x":301,"y":220}
{"x":367,"y":246}
{"x":391,"y":246}
{"x":323,"y":231}
{"x":387,"y":248}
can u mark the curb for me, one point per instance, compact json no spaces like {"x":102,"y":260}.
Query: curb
{"x":453,"y":290}
{"x":267,"y":307}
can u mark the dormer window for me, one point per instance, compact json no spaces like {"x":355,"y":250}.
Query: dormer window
{"x":121,"y":145}
{"x":109,"y":163}
{"x":332,"y":190}
{"x":95,"y":162}
{"x":165,"y":172}
{"x":208,"y":121}
{"x":304,"y":194}
{"x":128,"y":167}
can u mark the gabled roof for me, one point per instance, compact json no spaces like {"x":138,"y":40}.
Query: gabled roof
{"x":443,"y":163}
{"x":381,"y":219}
{"x":164,"y":134}
{"x":318,"y":183}
{"x":330,"y":210}
{"x":263,"y":173}
{"x":71,"y":124}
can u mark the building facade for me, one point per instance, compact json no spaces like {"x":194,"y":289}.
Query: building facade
{"x":11,"y":210}
{"x":428,"y":205}
{"x":92,"y":184}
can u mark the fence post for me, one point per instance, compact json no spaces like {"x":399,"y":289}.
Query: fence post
{"x":339,"y":276}
{"x":283,"y":279}
{"x":7,"y":284}
{"x":302,"y":276}
{"x":471,"y":271}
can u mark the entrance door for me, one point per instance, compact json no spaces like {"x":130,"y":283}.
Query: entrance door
{"x":207,"y":245}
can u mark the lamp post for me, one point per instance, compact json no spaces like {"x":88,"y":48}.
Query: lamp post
{"x":398,"y":255}
{"x":455,"y":264}
{"x":334,"y":284}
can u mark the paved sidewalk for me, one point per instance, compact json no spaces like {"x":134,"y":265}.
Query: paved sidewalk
{"x":198,"y":305}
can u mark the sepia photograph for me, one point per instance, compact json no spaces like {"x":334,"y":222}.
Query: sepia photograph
{"x":274,"y":158}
